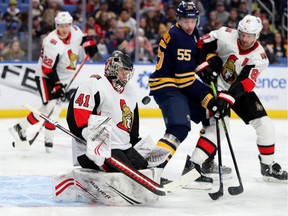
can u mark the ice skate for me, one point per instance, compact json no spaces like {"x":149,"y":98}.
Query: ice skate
{"x":211,"y":169}
{"x":201,"y":183}
{"x":273,"y":173}
{"x":18,"y":133}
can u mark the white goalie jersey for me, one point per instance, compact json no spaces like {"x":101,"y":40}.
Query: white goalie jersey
{"x":234,"y":60}
{"x":97,"y":96}
{"x":61,"y":54}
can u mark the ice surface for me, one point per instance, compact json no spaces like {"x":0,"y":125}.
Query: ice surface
{"x":26,"y":188}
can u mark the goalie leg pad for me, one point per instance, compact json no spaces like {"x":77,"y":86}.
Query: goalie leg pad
{"x":91,"y":186}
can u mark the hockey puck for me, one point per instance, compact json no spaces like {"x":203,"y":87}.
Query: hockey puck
{"x":146,"y":100}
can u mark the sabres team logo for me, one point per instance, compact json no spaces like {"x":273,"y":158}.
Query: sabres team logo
{"x":73,"y":58}
{"x":229,"y":72}
{"x":127,"y":117}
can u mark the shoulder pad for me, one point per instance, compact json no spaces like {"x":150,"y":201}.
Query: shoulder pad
{"x":166,"y":37}
{"x":97,"y":76}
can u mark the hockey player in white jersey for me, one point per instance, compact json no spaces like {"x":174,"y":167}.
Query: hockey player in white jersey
{"x":56,"y":66}
{"x":113,"y":97}
{"x":243,"y":61}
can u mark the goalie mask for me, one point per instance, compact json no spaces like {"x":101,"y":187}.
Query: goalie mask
{"x":119,"y":69}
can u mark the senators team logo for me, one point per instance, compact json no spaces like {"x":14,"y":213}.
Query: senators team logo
{"x":229,"y":72}
{"x":127,"y":117}
{"x":73,"y":59}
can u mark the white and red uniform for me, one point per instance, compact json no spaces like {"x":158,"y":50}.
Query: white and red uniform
{"x":61,"y":54}
{"x":228,"y":50}
{"x":58,"y":57}
{"x":97,"y":96}
{"x":238,"y":77}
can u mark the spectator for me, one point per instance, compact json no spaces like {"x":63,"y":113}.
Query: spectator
{"x":12,"y":33}
{"x":77,"y":15}
{"x":266,"y":34}
{"x":213,"y":22}
{"x":130,"y":6}
{"x":242,"y":9}
{"x":94,"y":29}
{"x":127,"y":22}
{"x":103,"y":7}
{"x":119,"y":43}
{"x":222,"y":14}
{"x":13,"y":10}
{"x":279,"y":46}
{"x":152,"y":24}
{"x":233,"y":20}
{"x":112,"y":25}
{"x":146,"y":53}
{"x":170,"y":15}
{"x":14,"y":52}
{"x":103,"y":20}
{"x":37,"y":8}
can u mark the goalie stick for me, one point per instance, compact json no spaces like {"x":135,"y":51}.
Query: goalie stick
{"x":31,"y":141}
{"x":130,"y":172}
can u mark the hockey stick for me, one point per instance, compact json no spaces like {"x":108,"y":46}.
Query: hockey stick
{"x":77,"y":72}
{"x":30,"y":142}
{"x":233,"y":190}
{"x":220,"y":192}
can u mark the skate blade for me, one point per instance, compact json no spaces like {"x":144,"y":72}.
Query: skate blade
{"x":274,"y":180}
{"x":21,"y":144}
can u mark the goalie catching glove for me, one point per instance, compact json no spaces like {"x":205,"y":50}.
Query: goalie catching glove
{"x":98,"y":140}
{"x":89,"y":45}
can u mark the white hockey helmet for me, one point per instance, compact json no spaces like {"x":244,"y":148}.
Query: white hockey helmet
{"x":63,"y":17}
{"x":251,"y":25}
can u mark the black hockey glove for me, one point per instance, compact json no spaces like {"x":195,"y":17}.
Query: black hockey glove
{"x":89,"y":45}
{"x":222,"y":105}
{"x":206,"y":73}
{"x":69,"y":94}
{"x":58,"y":90}
{"x":215,"y":62}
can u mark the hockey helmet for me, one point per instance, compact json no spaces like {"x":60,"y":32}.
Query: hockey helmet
{"x":118,"y":60}
{"x":63,"y":18}
{"x":187,"y":10}
{"x":251,"y":25}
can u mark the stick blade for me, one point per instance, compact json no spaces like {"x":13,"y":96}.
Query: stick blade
{"x":21,"y":144}
{"x":182,"y":181}
{"x":235,"y":190}
{"x":216,"y":195}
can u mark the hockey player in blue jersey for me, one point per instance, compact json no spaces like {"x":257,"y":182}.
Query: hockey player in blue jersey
{"x":174,"y":86}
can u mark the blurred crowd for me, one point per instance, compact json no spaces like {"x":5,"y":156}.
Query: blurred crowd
{"x":113,"y":24}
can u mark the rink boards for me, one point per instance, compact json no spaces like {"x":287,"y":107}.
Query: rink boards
{"x":17,"y":86}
